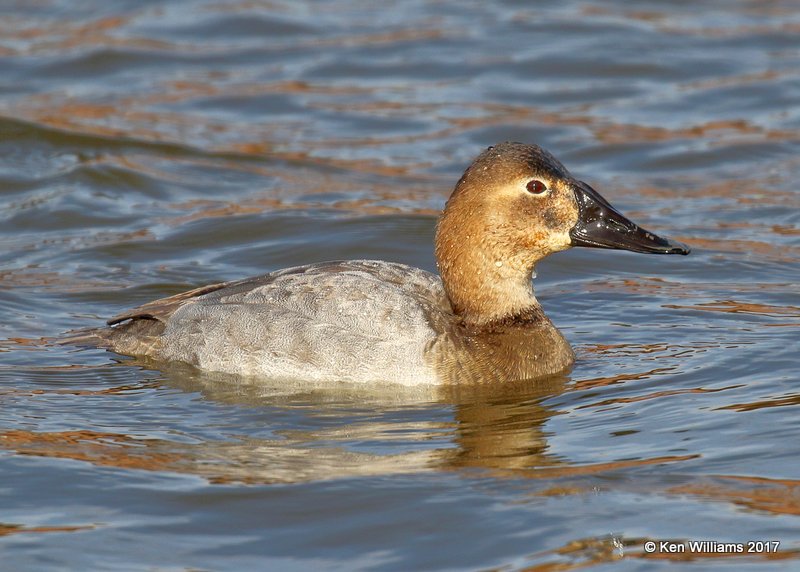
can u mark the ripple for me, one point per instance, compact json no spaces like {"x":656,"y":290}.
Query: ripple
{"x":151,"y":148}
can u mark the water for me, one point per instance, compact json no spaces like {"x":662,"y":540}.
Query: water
{"x":151,"y":147}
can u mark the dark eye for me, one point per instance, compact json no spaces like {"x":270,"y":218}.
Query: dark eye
{"x":536,"y":187}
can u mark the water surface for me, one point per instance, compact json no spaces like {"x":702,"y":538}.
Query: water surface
{"x":152,"y":147}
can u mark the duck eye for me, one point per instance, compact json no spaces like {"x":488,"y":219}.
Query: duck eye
{"x":536,"y":187}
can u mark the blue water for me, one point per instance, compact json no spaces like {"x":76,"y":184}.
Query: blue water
{"x":147,"y":148}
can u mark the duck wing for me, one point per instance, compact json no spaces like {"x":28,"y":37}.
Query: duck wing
{"x":163,"y":308}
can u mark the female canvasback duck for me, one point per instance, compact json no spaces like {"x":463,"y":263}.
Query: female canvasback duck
{"x":373,"y":321}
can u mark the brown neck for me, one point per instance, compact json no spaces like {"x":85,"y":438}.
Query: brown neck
{"x":483,"y":284}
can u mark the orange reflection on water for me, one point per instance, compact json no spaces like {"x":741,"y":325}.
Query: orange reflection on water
{"x":656,"y":351}
{"x":599,"y":468}
{"x":117,"y":390}
{"x":780,"y":252}
{"x":653,"y":395}
{"x":618,"y":133}
{"x":766,"y":190}
{"x":642,"y":285}
{"x":776,"y":496}
{"x":785,"y":401}
{"x":734,"y":307}
{"x":7,"y":529}
{"x":620,"y":378}
{"x":99,"y":448}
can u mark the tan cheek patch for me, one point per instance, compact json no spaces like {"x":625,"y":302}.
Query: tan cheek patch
{"x":565,"y":208}
{"x":553,"y":217}
{"x":559,"y":215}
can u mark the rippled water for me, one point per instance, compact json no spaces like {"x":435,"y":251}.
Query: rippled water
{"x":151,"y":147}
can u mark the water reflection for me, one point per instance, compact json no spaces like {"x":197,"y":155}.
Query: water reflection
{"x":149,"y":149}
{"x":498,"y":429}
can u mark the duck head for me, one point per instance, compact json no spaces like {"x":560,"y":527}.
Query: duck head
{"x":514,"y":205}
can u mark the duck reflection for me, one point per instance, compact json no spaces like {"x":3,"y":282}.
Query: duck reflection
{"x":479,"y":426}
{"x":503,"y":428}
{"x":286,"y":434}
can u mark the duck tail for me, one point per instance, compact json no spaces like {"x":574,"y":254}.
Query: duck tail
{"x":92,"y":337}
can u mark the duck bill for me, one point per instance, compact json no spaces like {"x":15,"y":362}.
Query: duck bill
{"x":602,"y":226}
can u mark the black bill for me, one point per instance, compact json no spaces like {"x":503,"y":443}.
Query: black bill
{"x":602,"y":226}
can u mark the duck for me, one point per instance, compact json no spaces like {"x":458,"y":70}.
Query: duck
{"x":372,"y":322}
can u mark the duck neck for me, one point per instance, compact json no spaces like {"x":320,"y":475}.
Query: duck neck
{"x":485,"y":289}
